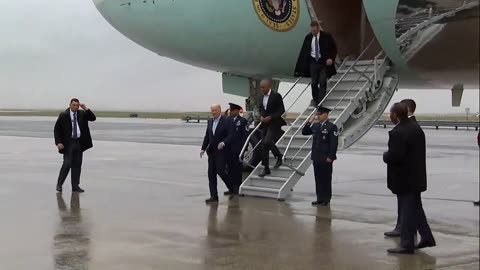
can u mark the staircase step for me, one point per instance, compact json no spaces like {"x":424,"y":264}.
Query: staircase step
{"x":331,"y":103}
{"x":259,"y":191}
{"x":267,"y":182}
{"x":370,"y":69}
{"x":282,"y":172}
{"x":351,"y":76}
{"x":362,"y":63}
{"x":297,"y":149}
{"x":338,"y":95}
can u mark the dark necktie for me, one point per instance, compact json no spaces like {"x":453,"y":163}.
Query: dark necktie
{"x":75,"y":132}
{"x":317,"y":49}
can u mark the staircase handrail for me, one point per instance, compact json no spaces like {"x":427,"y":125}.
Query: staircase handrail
{"x":436,"y":18}
{"x":245,"y":145}
{"x":328,"y":94}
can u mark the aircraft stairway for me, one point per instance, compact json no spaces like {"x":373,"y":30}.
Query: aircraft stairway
{"x":358,"y":95}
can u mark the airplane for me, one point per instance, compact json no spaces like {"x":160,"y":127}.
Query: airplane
{"x":382,"y":46}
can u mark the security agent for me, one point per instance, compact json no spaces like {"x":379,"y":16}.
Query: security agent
{"x":411,"y":105}
{"x":407,"y":178}
{"x":324,"y":152}
{"x":72,"y":138}
{"x":237,"y":134}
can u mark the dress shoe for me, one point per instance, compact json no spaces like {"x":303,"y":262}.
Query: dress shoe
{"x":316,"y":203}
{"x":228,"y":193}
{"x":394,"y":233}
{"x":78,"y":189}
{"x":279,"y":163}
{"x":400,"y":250}
{"x":59,"y":188}
{"x":264,"y":172}
{"x":425,"y":244}
{"x":324,"y":203}
{"x":211,"y":200}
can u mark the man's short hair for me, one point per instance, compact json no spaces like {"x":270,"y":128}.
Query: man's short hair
{"x":314,"y":23}
{"x":74,"y":100}
{"x":400,"y":110}
{"x":412,"y":106}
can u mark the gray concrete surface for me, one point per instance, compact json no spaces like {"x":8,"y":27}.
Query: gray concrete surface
{"x":144,"y":206}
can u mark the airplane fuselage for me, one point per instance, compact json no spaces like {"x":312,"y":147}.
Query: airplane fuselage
{"x":259,"y":38}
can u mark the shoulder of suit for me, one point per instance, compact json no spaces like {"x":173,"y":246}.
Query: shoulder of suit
{"x":322,"y":33}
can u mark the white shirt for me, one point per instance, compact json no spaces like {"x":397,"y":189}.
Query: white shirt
{"x":265,"y":99}
{"x":215,"y":123}
{"x":312,"y":51}
{"x":78,"y":127}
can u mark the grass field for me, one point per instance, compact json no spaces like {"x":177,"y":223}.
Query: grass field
{"x":109,"y":114}
{"x":180,"y":115}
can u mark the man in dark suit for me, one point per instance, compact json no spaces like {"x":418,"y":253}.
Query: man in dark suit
{"x":477,"y":203}
{"x":324,"y":152}
{"x":412,"y":106}
{"x":237,"y":134}
{"x":407,"y":178}
{"x":72,"y":138}
{"x":317,"y":60}
{"x":217,"y":132}
{"x":271,"y":109}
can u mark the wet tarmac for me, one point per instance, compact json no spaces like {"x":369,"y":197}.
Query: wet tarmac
{"x":144,"y":206}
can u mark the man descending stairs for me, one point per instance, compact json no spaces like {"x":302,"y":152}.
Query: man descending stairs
{"x":271,"y":111}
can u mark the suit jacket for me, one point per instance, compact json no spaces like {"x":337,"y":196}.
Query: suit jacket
{"x":275,"y":109}
{"x":211,"y":141}
{"x":63,"y":129}
{"x":328,"y":50}
{"x":237,"y":134}
{"x":325,"y":140}
{"x":406,"y":159}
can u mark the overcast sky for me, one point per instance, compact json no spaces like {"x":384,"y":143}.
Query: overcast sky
{"x":53,"y":50}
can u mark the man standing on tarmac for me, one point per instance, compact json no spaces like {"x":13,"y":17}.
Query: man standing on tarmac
{"x":407,"y":178}
{"x":72,"y":138}
{"x":412,"y":106}
{"x":217,"y":131}
{"x":324,"y":152}
{"x":237,"y":134}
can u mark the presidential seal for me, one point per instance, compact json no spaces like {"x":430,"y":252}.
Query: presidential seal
{"x":279,"y":15}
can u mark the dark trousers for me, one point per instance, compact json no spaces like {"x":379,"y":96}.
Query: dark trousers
{"x":72,"y":159}
{"x":413,"y":219}
{"x":318,"y":72}
{"x":270,"y":135}
{"x":234,"y":166}
{"x":323,"y":180}
{"x":398,"y":227}
{"x":216,"y":165}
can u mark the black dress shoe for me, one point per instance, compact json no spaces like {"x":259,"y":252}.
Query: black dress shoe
{"x":211,"y":200}
{"x":59,"y":188}
{"x":279,"y":163}
{"x":316,"y":203}
{"x":393,"y":233}
{"x":324,"y":203}
{"x":264,"y":172}
{"x":400,"y":250}
{"x":425,"y":244}
{"x":78,"y":189}
{"x":228,"y":193}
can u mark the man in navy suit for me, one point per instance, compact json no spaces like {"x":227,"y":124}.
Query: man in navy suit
{"x":217,"y":132}
{"x":237,"y":134}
